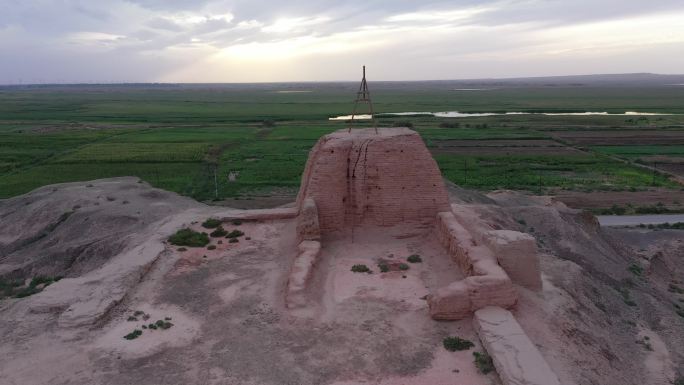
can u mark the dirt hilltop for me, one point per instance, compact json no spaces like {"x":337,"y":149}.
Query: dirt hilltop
{"x":606,"y":312}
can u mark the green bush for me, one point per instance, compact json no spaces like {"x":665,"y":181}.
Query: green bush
{"x":211,"y":223}
{"x":15,"y":289}
{"x":40,"y":280}
{"x":233,"y":240}
{"x":190,"y":238}
{"x":360,"y":269}
{"x":483,"y":362}
{"x":211,"y":247}
{"x":403,"y":266}
{"x":453,"y":344}
{"x":235,"y":234}
{"x":133,"y":335}
{"x":384,"y":268}
{"x":219,"y":232}
{"x":415,"y":258}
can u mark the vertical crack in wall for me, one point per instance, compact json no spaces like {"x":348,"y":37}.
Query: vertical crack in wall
{"x":353,"y":208}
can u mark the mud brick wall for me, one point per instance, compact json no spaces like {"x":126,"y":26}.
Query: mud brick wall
{"x":367,"y":178}
{"x":487,"y":283}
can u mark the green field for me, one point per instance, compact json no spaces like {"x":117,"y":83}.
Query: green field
{"x":188,"y":139}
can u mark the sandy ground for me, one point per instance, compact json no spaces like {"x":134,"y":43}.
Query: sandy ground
{"x":230,"y":324}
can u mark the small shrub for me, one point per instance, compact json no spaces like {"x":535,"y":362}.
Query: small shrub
{"x":236,"y":222}
{"x":211,"y":247}
{"x":453,"y":344}
{"x":133,"y":335}
{"x":167,"y":318}
{"x":9,"y":288}
{"x":384,"y":268}
{"x":636,"y":269}
{"x":182,"y":249}
{"x":233,"y":240}
{"x":211,"y":223}
{"x":219,"y":232}
{"x":41,"y":279}
{"x":415,"y":258}
{"x":152,"y":326}
{"x":190,"y":238}
{"x":138,"y":313}
{"x":403,"y":266}
{"x":483,"y":362}
{"x":235,"y":234}
{"x":131,"y":319}
{"x":360,"y":269}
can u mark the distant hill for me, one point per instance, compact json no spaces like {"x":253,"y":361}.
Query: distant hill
{"x":640,"y":79}
{"x":601,"y":80}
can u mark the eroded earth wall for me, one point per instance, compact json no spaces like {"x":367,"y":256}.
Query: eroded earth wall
{"x":361,"y":177}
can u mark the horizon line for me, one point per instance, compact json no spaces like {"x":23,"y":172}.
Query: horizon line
{"x":335,"y":81}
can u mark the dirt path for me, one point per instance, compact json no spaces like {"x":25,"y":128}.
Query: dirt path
{"x":633,"y":220}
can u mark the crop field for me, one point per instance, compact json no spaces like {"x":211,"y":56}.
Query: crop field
{"x":239,"y":142}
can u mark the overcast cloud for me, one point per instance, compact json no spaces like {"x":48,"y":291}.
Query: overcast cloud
{"x":64,"y":41}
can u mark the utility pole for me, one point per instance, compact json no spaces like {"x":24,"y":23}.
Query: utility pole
{"x":363,"y":96}
{"x":540,"y":185}
{"x":215,"y":182}
{"x":465,"y":171}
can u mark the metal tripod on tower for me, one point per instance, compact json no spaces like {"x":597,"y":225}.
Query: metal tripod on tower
{"x":363,"y":96}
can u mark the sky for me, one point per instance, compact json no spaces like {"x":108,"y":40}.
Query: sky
{"x":112,"y":41}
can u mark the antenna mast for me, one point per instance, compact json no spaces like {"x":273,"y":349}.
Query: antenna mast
{"x":363,"y":96}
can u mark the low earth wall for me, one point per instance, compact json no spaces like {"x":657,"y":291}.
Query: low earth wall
{"x":301,"y":273}
{"x":516,"y":252}
{"x":487,"y":283}
{"x":517,"y":360}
